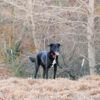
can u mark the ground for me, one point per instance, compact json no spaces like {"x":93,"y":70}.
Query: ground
{"x":12,"y":88}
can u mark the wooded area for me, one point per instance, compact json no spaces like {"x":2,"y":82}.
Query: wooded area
{"x":28,"y":26}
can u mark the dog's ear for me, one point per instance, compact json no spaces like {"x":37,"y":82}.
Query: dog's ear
{"x":59,"y":44}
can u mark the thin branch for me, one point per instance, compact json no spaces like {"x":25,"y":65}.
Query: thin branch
{"x":15,"y":5}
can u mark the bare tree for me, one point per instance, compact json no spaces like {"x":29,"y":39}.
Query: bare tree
{"x":70,"y":22}
{"x":90,"y":30}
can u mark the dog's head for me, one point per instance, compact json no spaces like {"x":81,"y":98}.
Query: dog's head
{"x":55,"y":48}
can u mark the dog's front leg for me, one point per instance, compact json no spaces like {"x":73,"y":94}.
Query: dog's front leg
{"x":55,"y":70}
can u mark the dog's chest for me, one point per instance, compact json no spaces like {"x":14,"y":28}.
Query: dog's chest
{"x":53,"y":63}
{"x":46,"y":59}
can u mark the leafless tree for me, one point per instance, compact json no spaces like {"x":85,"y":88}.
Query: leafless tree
{"x":70,"y":22}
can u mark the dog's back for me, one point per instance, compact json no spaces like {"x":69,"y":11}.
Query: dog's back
{"x":42,"y":57}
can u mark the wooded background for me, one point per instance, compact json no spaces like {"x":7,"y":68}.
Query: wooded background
{"x":28,"y":26}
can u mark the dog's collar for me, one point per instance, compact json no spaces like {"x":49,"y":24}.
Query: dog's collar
{"x":53,"y":55}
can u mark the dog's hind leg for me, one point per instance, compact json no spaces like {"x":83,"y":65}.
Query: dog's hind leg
{"x":36,"y":67}
{"x":44,"y":71}
{"x":36,"y":70}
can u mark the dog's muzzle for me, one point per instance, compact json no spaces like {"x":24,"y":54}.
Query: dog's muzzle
{"x":57,"y":53}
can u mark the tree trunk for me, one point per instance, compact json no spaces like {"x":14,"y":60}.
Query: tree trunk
{"x":90,"y":30}
{"x":30,"y":11}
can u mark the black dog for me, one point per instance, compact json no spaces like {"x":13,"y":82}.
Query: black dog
{"x":47,"y":60}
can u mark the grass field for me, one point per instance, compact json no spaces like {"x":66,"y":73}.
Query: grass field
{"x":12,"y":88}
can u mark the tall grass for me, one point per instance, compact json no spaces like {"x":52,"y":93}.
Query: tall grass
{"x":13,"y":59}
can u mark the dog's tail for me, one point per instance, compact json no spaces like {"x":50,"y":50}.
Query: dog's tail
{"x":32,"y":59}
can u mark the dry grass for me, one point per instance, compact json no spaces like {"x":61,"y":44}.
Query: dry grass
{"x":87,"y":88}
{"x":5,"y":73}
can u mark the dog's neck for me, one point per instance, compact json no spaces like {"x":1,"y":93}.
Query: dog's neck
{"x":52,"y":55}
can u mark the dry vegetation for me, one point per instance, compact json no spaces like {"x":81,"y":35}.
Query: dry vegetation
{"x":36,"y":23}
{"x":12,"y":88}
{"x":87,"y":88}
